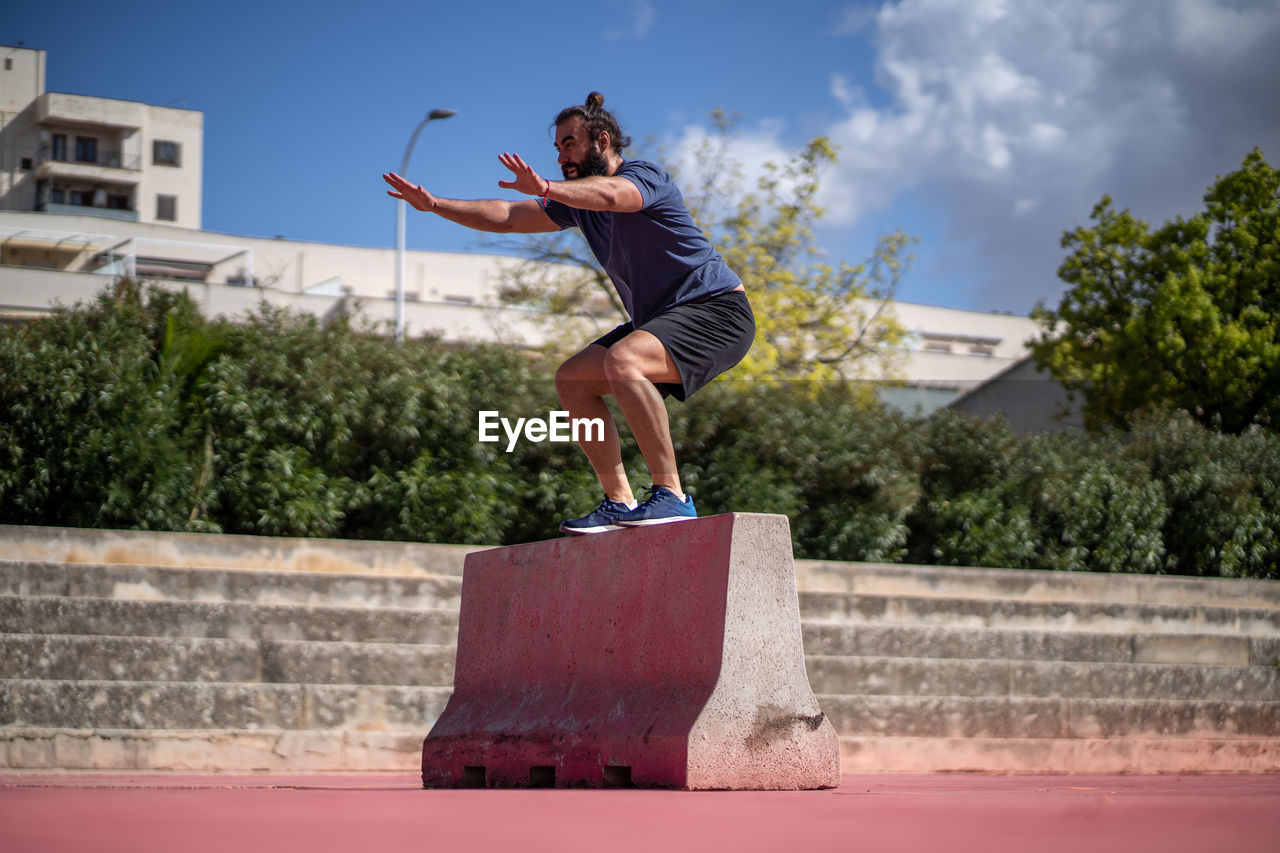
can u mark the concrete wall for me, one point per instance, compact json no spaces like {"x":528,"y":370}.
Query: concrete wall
{"x":285,"y":265}
{"x":26,"y":292}
{"x":21,"y":83}
{"x":1032,"y":401}
{"x":184,"y":181}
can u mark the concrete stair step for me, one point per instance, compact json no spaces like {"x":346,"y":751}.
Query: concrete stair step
{"x":156,"y":583}
{"x":1035,"y":717}
{"x":1010,"y":613}
{"x":73,"y":545}
{"x":1266,"y":651}
{"x":277,"y":750}
{"x":828,"y":638}
{"x":229,"y":551}
{"x":232,"y":620}
{"x":835,"y":674}
{"x":1032,"y":585}
{"x":205,"y":705}
{"x":202,"y":750}
{"x":1208,"y":754}
{"x":99,"y":658}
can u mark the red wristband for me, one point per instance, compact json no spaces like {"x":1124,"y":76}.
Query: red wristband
{"x":547,"y":191}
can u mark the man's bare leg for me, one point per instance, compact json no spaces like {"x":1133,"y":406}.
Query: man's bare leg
{"x":628,"y":370}
{"x":582,"y":386}
{"x":632,"y":366}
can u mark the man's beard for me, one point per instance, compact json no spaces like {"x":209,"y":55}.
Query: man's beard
{"x":594,"y":164}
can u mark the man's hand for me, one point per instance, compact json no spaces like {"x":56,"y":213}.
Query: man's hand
{"x":414,"y":194}
{"x":526,"y":181}
{"x":493,"y":215}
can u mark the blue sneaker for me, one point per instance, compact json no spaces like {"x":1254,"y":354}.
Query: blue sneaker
{"x":660,"y":506}
{"x":599,"y":520}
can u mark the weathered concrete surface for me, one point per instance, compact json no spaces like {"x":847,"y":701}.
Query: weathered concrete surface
{"x":230,"y":620}
{"x":241,"y":750}
{"x":201,"y":659}
{"x":666,"y":656}
{"x":218,"y":550}
{"x":1016,"y":614}
{"x":159,"y":706}
{"x":126,"y":582}
{"x":895,"y":579}
{"x":947,"y":643}
{"x":1157,"y":755}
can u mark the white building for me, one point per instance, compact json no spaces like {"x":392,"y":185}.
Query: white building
{"x":59,"y":244}
{"x":61,"y":153}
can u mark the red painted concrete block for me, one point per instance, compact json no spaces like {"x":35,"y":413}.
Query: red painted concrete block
{"x":666,"y":656}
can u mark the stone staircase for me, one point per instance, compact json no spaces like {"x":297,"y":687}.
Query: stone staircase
{"x":189,"y":652}
{"x":925,"y":668}
{"x":176,"y":651}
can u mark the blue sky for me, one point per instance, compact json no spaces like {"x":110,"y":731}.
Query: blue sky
{"x":984,"y":127}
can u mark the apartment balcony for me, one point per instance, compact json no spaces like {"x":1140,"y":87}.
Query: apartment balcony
{"x":86,"y":210}
{"x":97,"y":165}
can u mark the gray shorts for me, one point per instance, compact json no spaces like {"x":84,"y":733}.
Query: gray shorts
{"x":704,"y":339}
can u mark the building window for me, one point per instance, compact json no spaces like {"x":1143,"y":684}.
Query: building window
{"x":8,"y":63}
{"x":167,"y":208}
{"x":26,"y":164}
{"x":60,"y":147}
{"x":166,"y":153}
{"x":86,"y":149}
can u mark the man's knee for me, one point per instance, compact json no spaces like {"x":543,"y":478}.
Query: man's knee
{"x":582,"y":371}
{"x":639,"y":356}
{"x":622,"y":363}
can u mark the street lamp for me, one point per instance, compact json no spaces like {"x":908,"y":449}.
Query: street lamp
{"x":400,"y":206}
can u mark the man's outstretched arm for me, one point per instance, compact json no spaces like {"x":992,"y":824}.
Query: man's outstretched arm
{"x":501,"y":217}
{"x":598,"y":192}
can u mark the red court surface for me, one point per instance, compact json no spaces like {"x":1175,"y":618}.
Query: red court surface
{"x":950,"y":813}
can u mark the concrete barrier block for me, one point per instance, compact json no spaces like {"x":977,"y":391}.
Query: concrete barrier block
{"x":666,"y":656}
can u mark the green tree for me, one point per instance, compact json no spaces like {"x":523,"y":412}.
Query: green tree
{"x":1186,"y":316}
{"x":814,"y":320}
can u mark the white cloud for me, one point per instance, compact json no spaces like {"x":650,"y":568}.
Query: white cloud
{"x":1011,"y":118}
{"x":1044,"y":135}
{"x":642,"y":14}
{"x":849,"y":95}
{"x":1015,"y":116}
{"x":853,"y":20}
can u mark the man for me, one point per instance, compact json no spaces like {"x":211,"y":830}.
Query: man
{"x":690,"y":319}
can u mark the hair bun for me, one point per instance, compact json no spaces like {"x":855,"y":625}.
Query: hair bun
{"x":595,"y":101}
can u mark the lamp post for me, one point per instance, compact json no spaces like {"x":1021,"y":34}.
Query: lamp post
{"x":400,"y":206}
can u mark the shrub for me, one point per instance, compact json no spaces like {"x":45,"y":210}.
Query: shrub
{"x":1092,"y":508}
{"x":134,"y":411}
{"x":971,"y":510}
{"x":1220,"y":491}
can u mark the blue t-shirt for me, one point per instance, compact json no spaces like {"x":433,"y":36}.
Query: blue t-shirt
{"x":657,"y":257}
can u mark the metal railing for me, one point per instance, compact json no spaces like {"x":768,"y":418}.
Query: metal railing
{"x":123,"y":214}
{"x":99,"y":157}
